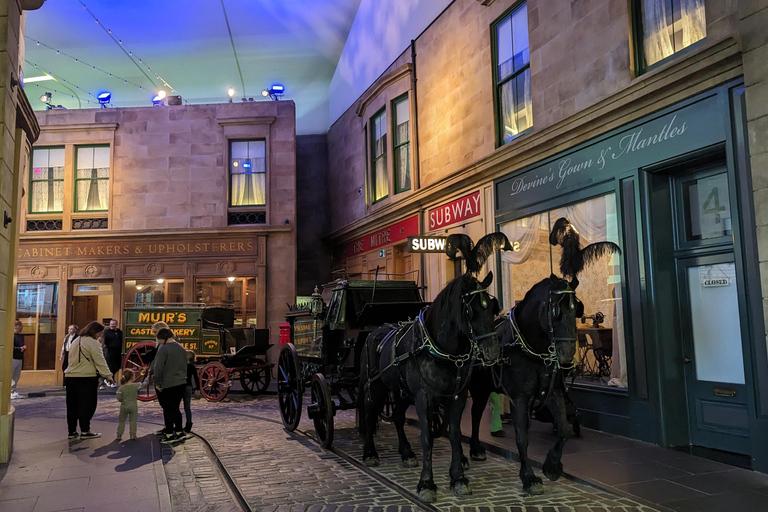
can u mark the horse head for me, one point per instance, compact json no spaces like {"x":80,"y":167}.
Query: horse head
{"x":480,"y":310}
{"x":548,"y":316}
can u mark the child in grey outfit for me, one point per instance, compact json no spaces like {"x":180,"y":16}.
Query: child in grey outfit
{"x":129,"y":408}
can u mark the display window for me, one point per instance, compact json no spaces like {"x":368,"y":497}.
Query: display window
{"x":37,"y":309}
{"x":153,"y":291}
{"x":600,"y":356}
{"x":237,"y":292}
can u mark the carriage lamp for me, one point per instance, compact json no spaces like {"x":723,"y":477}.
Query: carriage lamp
{"x":316,"y":303}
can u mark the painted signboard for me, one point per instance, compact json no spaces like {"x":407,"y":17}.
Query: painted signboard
{"x":184,"y":323}
{"x":382,"y":237}
{"x":453,"y":212}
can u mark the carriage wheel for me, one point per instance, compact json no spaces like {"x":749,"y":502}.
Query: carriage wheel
{"x":290,"y":388}
{"x":388,"y":411}
{"x":214,"y":381}
{"x":136,"y":361}
{"x":255,"y":380}
{"x":322,"y":410}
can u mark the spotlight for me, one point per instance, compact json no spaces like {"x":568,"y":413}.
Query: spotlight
{"x":157,"y":101}
{"x":104,"y":99}
{"x":231,"y":93}
{"x":161,"y":94}
{"x":46,"y":98}
{"x":275,"y":92}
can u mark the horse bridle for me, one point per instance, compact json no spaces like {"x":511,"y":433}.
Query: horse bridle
{"x":553,"y":311}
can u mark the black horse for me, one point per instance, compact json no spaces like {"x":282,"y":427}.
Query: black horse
{"x":538,"y":339}
{"x":429,"y":361}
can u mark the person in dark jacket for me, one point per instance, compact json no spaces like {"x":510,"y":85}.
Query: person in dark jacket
{"x":113,"y":348}
{"x":18,"y":358}
{"x":171,"y":380}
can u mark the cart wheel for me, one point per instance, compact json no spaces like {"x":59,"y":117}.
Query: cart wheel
{"x":387,"y":412}
{"x":290,"y":388}
{"x":136,"y":361}
{"x":255,"y":380}
{"x":322,"y":410}
{"x":214,"y":381}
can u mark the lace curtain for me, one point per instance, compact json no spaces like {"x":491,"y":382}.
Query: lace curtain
{"x":667,"y":30}
{"x":402,"y":157}
{"x":248,"y":167}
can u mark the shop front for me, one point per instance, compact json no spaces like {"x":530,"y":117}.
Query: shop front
{"x":75,"y":281}
{"x":668,"y":349}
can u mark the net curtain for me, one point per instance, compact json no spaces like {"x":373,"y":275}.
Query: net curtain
{"x":660,"y":25}
{"x":248,"y":184}
{"x":92,"y":178}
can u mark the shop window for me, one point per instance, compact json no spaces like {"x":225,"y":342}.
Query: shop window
{"x":153,"y":291}
{"x":247,"y":173}
{"x":37,"y":310}
{"x":47,"y":181}
{"x":402,"y":148}
{"x":238,"y":293}
{"x":601,"y":353}
{"x":664,"y":27}
{"x":379,"y":182}
{"x":512,"y":74}
{"x":92,"y":179}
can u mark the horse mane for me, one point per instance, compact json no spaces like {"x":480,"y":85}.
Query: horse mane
{"x":448,"y":301}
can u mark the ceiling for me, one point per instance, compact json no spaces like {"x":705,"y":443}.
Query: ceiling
{"x":296,"y":43}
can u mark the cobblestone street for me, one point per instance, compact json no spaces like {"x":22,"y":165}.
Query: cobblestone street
{"x":276,"y":470}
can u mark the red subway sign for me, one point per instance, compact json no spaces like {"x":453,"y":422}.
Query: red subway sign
{"x":454,"y":212}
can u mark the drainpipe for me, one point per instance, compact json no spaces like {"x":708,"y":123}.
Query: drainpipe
{"x":415,"y":117}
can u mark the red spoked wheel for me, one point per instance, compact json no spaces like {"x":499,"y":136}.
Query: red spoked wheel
{"x":137,"y":360}
{"x":214,"y":382}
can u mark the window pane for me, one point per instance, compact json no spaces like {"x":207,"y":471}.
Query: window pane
{"x":37,"y":310}
{"x":707,"y":208}
{"x":248,"y":165}
{"x":48,"y":157}
{"x":223,"y":292}
{"x":149,"y":291}
{"x":516,"y":105}
{"x":248,"y":189}
{"x":402,"y":112}
{"x":92,"y":195}
{"x":504,"y":48}
{"x":403,"y":162}
{"x":47,"y":196}
{"x":381,"y":186}
{"x":671,"y":25}
{"x":520,"y":37}
{"x":47,"y":180}
{"x":92,"y":178}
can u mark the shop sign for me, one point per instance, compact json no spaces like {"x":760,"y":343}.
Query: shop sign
{"x":383,"y":237}
{"x":426,"y":243}
{"x":454,"y":212}
{"x":110,"y":249}
{"x":694,"y":126}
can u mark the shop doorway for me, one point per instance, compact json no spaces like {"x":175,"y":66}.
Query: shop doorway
{"x":91,"y":301}
{"x":699,"y":307}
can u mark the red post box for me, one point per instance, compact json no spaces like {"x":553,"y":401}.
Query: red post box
{"x":285,"y":333}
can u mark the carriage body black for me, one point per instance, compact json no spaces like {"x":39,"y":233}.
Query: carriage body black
{"x":324,"y":352}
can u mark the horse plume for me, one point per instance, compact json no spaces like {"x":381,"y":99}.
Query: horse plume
{"x":574,"y":257}
{"x":476,"y":255}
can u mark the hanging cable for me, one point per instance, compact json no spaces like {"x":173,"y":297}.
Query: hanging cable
{"x":232,"y":40}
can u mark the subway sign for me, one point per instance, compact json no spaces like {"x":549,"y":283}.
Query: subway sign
{"x":426,"y":243}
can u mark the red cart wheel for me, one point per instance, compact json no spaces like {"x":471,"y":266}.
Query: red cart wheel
{"x":214,"y":381}
{"x":137,"y":360}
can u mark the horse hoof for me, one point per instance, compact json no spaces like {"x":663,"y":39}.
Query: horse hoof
{"x":477,"y":456}
{"x":535,"y":489}
{"x":410,"y":463}
{"x":371,"y":462}
{"x":461,"y":488}
{"x":553,"y":471}
{"x":428,"y":495}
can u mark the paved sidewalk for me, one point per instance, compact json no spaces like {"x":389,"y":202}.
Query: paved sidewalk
{"x":48,"y":472}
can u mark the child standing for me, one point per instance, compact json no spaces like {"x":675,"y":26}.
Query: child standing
{"x":129,"y":407}
{"x":193,"y":383}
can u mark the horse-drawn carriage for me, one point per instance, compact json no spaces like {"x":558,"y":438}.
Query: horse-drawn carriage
{"x":326,"y":337}
{"x":224,"y":352}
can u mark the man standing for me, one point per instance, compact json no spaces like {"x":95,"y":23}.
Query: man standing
{"x":113,"y":347}
{"x":18,"y":358}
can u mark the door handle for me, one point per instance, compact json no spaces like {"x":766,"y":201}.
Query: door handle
{"x":686,"y":360}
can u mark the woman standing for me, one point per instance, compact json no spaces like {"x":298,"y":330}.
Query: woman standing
{"x":170,"y":381}
{"x":86,"y":363}
{"x":68,"y":339}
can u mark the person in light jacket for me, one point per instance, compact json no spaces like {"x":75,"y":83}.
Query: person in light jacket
{"x":171,"y":381}
{"x":86,"y":363}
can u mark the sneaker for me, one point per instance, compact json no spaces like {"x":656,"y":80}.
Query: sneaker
{"x":172,"y":439}
{"x":16,"y":396}
{"x":90,"y":435}
{"x":102,"y":387}
{"x":499,"y":433}
{"x":160,"y":433}
{"x":73,"y":435}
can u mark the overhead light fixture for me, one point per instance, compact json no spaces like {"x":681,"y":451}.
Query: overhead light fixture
{"x":46,"y":98}
{"x":157,"y":101}
{"x":231,"y":93}
{"x":33,"y":79}
{"x":139,"y":287}
{"x":160,"y":281}
{"x":275,"y":92}
{"x":104,"y":98}
{"x":161,"y":94}
{"x":231,"y":279}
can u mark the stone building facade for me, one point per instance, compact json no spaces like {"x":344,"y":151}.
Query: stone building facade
{"x":169,"y":204}
{"x":642,"y":128}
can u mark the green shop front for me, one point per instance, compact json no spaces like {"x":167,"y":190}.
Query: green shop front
{"x":672,"y":347}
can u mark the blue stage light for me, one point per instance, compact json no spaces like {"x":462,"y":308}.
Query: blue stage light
{"x":104,"y":98}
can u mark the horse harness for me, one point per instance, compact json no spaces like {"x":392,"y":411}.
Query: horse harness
{"x":550,"y":359}
{"x":428,"y":344}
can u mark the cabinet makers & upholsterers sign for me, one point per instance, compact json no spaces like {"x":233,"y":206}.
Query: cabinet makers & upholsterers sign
{"x":117,"y":250}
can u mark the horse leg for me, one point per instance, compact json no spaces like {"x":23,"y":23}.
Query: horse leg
{"x":553,"y":468}
{"x":398,"y":416}
{"x":522,"y":422}
{"x":480,"y":396}
{"x":372,"y":408}
{"x":426,"y":489}
{"x":459,"y":483}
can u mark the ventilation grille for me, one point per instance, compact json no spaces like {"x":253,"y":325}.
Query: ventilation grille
{"x":247,"y":218}
{"x":44,"y":225}
{"x":89,"y":224}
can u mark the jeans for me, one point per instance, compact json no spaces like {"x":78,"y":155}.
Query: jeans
{"x":127,"y":411}
{"x":188,"y":403}
{"x":170,"y":399}
{"x":81,"y":402}
{"x":16,"y":373}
